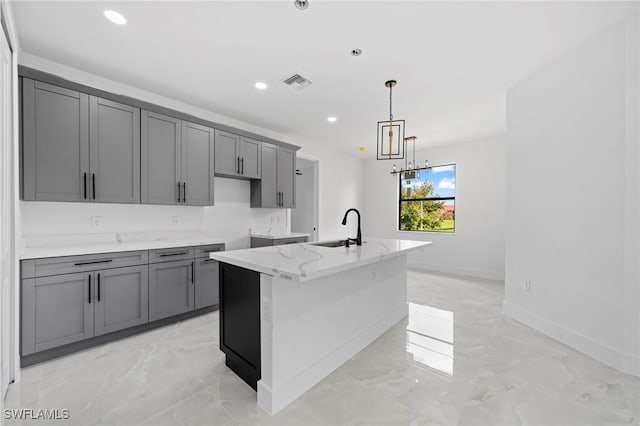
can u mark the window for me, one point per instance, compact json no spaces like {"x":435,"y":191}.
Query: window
{"x":428,"y":200}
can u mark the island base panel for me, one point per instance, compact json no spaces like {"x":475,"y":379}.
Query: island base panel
{"x":240,"y":321}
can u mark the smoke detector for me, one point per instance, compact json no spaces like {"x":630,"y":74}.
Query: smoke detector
{"x":297,"y":82}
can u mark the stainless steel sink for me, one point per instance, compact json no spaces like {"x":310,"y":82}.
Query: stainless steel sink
{"x":336,"y":243}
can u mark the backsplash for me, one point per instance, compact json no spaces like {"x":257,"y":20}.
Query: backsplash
{"x":231,"y":219}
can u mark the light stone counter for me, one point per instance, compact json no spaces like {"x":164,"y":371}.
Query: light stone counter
{"x":305,"y":261}
{"x":54,"y":246}
{"x":277,"y":236}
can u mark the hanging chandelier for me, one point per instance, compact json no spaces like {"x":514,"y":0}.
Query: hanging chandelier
{"x":390,"y":143}
{"x":411,"y":170}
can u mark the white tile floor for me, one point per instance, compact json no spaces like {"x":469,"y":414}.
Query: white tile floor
{"x":455,"y":360}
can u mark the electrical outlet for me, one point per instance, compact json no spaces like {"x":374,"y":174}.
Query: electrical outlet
{"x":526,"y":285}
{"x":176,"y":220}
{"x":96,"y":222}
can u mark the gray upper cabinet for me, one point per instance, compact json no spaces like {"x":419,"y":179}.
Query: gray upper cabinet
{"x":161,"y":159}
{"x":114,"y":147}
{"x":177,"y":161}
{"x":55,"y":142}
{"x":227,"y":159}
{"x":249,"y":151}
{"x":287,"y":177}
{"x":171,"y":288}
{"x":197,"y":164}
{"x":237,"y":156}
{"x":277,"y":187}
{"x":121,"y":298}
{"x":78,"y":147}
{"x":56,"y":310}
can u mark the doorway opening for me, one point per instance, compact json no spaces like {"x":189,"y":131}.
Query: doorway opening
{"x":305,"y":216}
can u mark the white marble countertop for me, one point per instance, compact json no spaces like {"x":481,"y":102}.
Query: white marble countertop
{"x":53,"y":246}
{"x":305,"y":261}
{"x":277,"y":236}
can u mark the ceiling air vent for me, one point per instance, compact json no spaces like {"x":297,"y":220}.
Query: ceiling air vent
{"x":297,"y":82}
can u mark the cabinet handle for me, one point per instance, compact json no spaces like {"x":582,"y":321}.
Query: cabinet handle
{"x":238,"y":165}
{"x":242,"y":163}
{"x":98,"y":287}
{"x":174,"y":254}
{"x":85,"y":185}
{"x":178,"y":192}
{"x":211,"y":250}
{"x":89,"y":288}
{"x":184,"y":192}
{"x":93,"y":262}
{"x":208,"y":260}
{"x":93,"y":184}
{"x":192,"y":272}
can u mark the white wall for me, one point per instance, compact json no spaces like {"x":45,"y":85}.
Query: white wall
{"x":477,"y":246}
{"x":572,"y":198}
{"x":230,"y":218}
{"x":302,"y":215}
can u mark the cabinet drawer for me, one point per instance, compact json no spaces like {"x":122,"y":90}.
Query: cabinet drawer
{"x":203,"y":251}
{"x":171,"y":254}
{"x":69,"y":264}
{"x":294,"y":240}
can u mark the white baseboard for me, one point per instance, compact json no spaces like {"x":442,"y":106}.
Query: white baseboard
{"x":457,"y":270}
{"x":627,"y":363}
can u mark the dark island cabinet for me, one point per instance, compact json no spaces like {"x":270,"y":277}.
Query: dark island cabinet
{"x":240,"y":321}
{"x":78,"y":147}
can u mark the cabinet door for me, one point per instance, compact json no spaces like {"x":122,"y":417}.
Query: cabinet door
{"x":226,"y":156}
{"x":160,"y":162}
{"x":114,"y":147}
{"x":286,"y":177}
{"x":56,"y":310}
{"x":121,"y":298}
{"x":250,"y":158}
{"x":171,"y":288}
{"x":269,"y":181}
{"x":207,"y":276}
{"x":55,"y":142}
{"x":197,"y":164}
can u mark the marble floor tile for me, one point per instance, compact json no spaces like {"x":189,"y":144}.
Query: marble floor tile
{"x":455,"y":361}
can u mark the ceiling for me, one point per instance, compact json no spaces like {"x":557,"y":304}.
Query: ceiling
{"x":453,"y":60}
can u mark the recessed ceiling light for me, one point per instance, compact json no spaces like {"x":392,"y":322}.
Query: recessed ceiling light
{"x":301,"y":4}
{"x":115,"y":17}
{"x":261,"y":85}
{"x":332,"y":119}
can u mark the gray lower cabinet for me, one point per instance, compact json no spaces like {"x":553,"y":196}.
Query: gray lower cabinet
{"x":206,"y":283}
{"x":78,"y":147}
{"x":72,"y":298}
{"x":266,"y":242}
{"x":62,"y":309}
{"x":237,"y":156}
{"x":121,"y":298}
{"x":171,"y":288}
{"x":277,"y":186}
{"x":56,"y":310}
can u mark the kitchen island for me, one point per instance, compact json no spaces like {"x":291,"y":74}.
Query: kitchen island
{"x":290,"y":315}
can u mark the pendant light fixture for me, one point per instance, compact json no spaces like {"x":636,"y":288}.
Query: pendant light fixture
{"x":390,"y":145}
{"x":410,"y":169}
